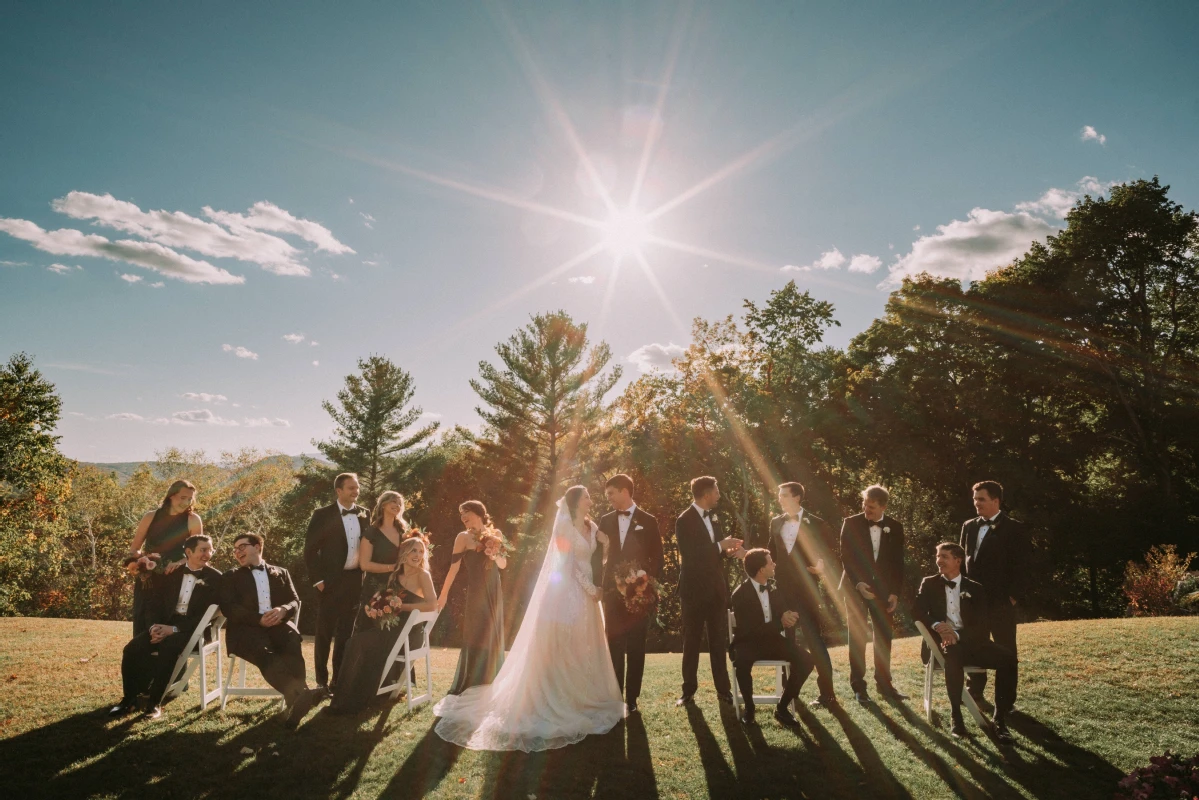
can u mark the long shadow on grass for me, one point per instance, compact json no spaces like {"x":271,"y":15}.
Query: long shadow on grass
{"x":424,"y":768}
{"x":183,"y":755}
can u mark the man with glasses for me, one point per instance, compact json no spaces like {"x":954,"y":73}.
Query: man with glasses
{"x":260,"y":603}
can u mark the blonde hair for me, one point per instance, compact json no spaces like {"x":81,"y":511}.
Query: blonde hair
{"x":408,"y":545}
{"x":377,"y":513}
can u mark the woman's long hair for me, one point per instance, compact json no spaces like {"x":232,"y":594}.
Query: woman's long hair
{"x":572,"y":497}
{"x":377,"y":513}
{"x":408,"y":545}
{"x":176,"y":487}
{"x":478,"y":509}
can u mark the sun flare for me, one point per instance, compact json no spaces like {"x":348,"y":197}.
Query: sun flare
{"x":626,"y":232}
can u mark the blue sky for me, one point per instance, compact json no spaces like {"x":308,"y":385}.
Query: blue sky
{"x":407,"y":179}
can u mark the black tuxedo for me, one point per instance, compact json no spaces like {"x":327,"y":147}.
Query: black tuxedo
{"x":276,"y":650}
{"x":973,"y":646}
{"x":625,"y":632}
{"x":703,"y":594}
{"x":325,"y":551}
{"x":801,"y":589}
{"x":884,"y":577}
{"x":755,"y":639}
{"x":147,"y":667}
{"x":1000,"y":563}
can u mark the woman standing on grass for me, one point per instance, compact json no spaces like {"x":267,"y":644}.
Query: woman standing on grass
{"x":478,"y":548}
{"x":158,"y":541}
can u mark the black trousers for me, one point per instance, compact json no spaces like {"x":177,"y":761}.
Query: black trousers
{"x":809,"y":626}
{"x":335,"y":622}
{"x":626,"y":642}
{"x":859,"y":613}
{"x":984,"y":654}
{"x":708,"y":615}
{"x":775,"y":648}
{"x":277,"y":653}
{"x":1002,"y":615}
{"x":147,"y":667}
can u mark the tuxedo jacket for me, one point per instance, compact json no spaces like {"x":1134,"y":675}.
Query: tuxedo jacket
{"x":701,"y":575}
{"x":165,"y":594}
{"x":883,"y":575}
{"x":800,"y":587}
{"x":325,"y":547}
{"x":239,"y":601}
{"x":930,"y":609}
{"x":752,"y":627}
{"x":642,"y":546}
{"x":1001,"y":562}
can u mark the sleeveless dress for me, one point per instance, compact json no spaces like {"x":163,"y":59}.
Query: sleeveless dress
{"x":165,"y":536}
{"x":482,"y":622}
{"x":370,"y":645}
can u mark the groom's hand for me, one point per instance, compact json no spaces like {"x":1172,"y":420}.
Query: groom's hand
{"x":729,"y":544}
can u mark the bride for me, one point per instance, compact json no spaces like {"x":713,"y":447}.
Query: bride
{"x":557,"y":685}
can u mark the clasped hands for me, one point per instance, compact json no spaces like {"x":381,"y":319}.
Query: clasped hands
{"x":272,"y":618}
{"x":864,"y":590}
{"x":948,"y":635}
{"x":732,"y":547}
{"x":789,"y":618}
{"x":160,"y":632}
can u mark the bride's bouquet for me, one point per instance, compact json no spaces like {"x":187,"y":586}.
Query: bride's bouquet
{"x":493,"y":542}
{"x":384,"y":608}
{"x":144,"y":567}
{"x":639,"y":590}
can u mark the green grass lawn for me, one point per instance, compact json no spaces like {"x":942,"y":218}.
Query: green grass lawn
{"x":1097,"y":698}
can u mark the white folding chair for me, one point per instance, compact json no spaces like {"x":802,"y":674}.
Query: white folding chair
{"x":405,"y":655}
{"x":937,"y":662}
{"x":779,"y":667}
{"x":235,"y":679}
{"x":198,"y":652}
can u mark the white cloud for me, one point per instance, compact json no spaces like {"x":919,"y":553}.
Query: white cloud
{"x":265,"y":422}
{"x":264,"y":216}
{"x":204,"y":397}
{"x":314,"y":343}
{"x":1057,"y":203}
{"x":915,"y":227}
{"x":655,"y":356}
{"x":431,"y":415}
{"x":829,"y":259}
{"x":1088,"y":133}
{"x":239,"y":351}
{"x":864,"y":263}
{"x":367,"y":219}
{"x":157,"y":285}
{"x":371,"y":263}
{"x":14,"y":263}
{"x":151,"y":255}
{"x":968,"y":249}
{"x":586,"y":280}
{"x":294,"y":338}
{"x":201,"y":416}
{"x":62,"y":269}
{"x":131,"y":278}
{"x":127,"y":416}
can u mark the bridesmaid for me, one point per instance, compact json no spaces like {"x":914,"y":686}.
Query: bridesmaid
{"x":483,"y":620}
{"x":163,"y":532}
{"x":388,"y":555}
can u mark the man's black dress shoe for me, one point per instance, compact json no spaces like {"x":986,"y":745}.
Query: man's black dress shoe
{"x":122,"y":709}
{"x":823,"y":702}
{"x":725,"y":697}
{"x":749,"y":717}
{"x":301,"y":704}
{"x":152,"y":712}
{"x":958,"y":731}
{"x":632,"y":706}
{"x":785,"y":717}
{"x":685,"y":700}
{"x":891,"y":693}
{"x":862,"y":696}
{"x":1002,"y":734}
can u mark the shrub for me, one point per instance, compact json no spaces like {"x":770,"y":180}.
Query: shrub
{"x":1167,"y":777}
{"x":1186,"y":593}
{"x":1150,"y":586}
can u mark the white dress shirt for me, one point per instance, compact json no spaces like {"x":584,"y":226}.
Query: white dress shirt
{"x":790,"y":531}
{"x":708,"y":525}
{"x":983,"y":530}
{"x":186,"y":587}
{"x":264,"y":590}
{"x":953,"y":604}
{"x":876,"y":535}
{"x":763,"y":598}
{"x":353,"y":535}
{"x":626,"y":523}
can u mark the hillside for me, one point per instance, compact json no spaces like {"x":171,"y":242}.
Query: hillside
{"x":1098,"y":698}
{"x":124,"y":469}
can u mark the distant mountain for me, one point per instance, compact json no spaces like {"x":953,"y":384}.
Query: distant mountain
{"x":125,"y":469}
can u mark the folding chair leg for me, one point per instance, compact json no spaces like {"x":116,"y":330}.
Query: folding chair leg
{"x":928,"y":690}
{"x":974,"y":709}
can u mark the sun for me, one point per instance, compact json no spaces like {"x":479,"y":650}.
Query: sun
{"x":626,"y":232}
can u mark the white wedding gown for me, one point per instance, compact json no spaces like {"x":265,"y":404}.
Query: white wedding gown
{"x":557,"y":685}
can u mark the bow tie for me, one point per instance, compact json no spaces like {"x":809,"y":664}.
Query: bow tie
{"x":628,"y":513}
{"x":763,"y":588}
{"x":948,"y":583}
{"x":346,"y":511}
{"x":874,"y":523}
{"x":259,"y":567}
{"x":190,"y":571}
{"x":983,"y":521}
{"x":707,"y":514}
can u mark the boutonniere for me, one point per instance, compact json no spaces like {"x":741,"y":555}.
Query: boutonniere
{"x":965,"y":594}
{"x":713,"y":518}
{"x":639,"y":528}
{"x":274,"y":571}
{"x":887,"y":529}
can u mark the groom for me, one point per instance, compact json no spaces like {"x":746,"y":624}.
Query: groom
{"x":635,"y":544}
{"x":702,"y":589}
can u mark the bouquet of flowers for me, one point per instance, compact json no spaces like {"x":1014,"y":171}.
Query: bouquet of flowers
{"x":1167,"y":776}
{"x":639,"y":590}
{"x":384,"y":608}
{"x":493,"y":543}
{"x":144,"y":567}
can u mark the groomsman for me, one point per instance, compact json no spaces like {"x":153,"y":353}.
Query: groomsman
{"x":174,"y":606}
{"x":331,"y":553}
{"x":997,"y":552}
{"x":799,"y":544}
{"x":955,"y":610}
{"x":761,"y":617}
{"x":635,"y":543}
{"x":872,"y":554}
{"x":702,"y":589}
{"x":260,"y":603}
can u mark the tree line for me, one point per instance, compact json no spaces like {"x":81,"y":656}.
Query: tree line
{"x":1069,"y":375}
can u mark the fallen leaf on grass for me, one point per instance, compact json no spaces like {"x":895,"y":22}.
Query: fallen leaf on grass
{"x":89,"y":658}
{"x":12,"y":677}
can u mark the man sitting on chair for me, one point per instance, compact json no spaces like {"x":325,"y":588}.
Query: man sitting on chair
{"x":260,"y":603}
{"x":954,"y":609}
{"x":760,"y":619}
{"x":174,"y":606}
